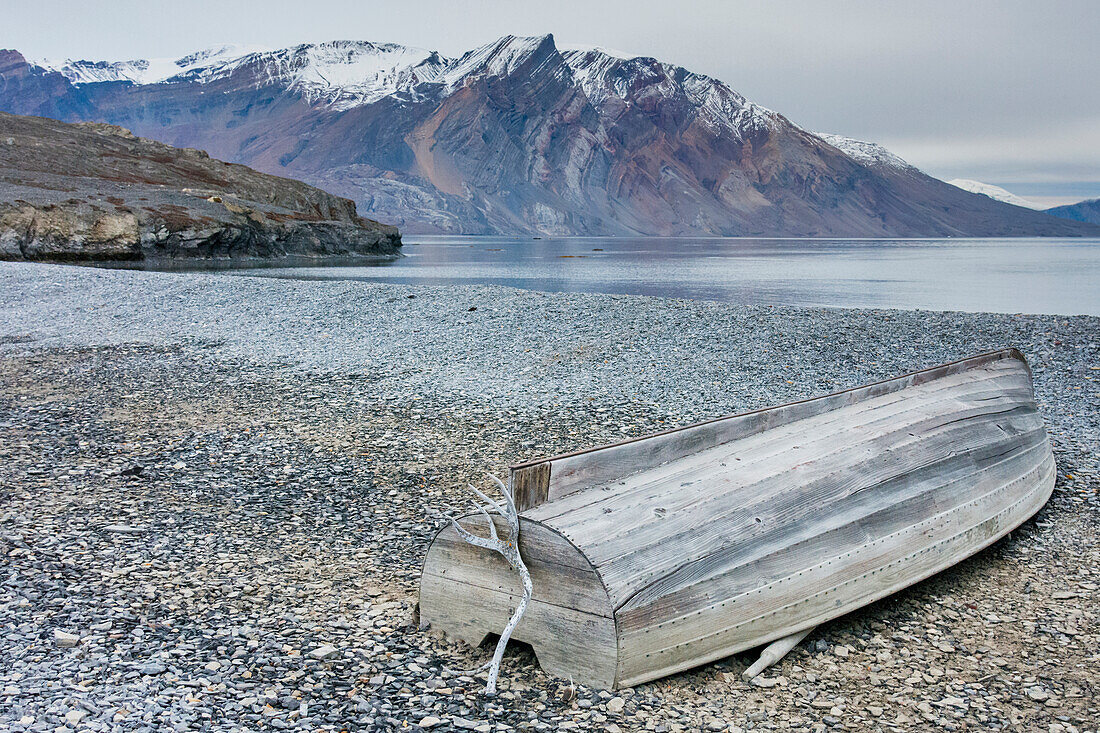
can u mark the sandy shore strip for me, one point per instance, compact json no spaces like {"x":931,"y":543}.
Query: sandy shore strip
{"x":216,"y":492}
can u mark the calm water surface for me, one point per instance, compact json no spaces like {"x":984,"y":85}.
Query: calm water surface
{"x":1004,"y":275}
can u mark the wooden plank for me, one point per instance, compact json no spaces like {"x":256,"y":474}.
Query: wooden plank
{"x":760,"y":447}
{"x":536,"y":540}
{"x":646,"y":550}
{"x":567,"y":642}
{"x":811,"y":483}
{"x":555,"y":583}
{"x":574,"y":471}
{"x":745,"y":562}
{"x":530,"y":485}
{"x":739,"y":463}
{"x":834,"y":570}
{"x":708,"y":544}
{"x":809,"y":607}
{"x":759,"y":563}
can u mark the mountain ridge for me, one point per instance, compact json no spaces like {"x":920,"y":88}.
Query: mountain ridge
{"x":519,"y":136}
{"x":1086,"y":211}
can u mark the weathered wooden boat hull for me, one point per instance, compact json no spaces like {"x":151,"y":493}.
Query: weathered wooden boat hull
{"x":659,"y":554}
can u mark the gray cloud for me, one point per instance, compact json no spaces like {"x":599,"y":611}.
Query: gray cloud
{"x":999,"y":91}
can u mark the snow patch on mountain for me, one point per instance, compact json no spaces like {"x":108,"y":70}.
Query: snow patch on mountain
{"x":346,"y":74}
{"x":605,"y":76}
{"x":499,"y":58}
{"x":149,"y":71}
{"x":565,"y":47}
{"x":869,"y":154}
{"x":343,"y":74}
{"x":599,"y":74}
{"x":994,"y":192}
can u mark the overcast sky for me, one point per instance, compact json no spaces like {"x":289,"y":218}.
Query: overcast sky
{"x":1004,"y":92}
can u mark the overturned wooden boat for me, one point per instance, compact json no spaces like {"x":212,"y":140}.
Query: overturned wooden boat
{"x":658,"y":554}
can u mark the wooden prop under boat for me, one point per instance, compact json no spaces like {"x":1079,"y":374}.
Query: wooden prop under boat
{"x":659,"y":554}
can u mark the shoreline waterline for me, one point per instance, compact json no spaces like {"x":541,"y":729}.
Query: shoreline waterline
{"x":1050,"y":276}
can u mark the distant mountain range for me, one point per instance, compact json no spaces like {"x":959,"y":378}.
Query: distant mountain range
{"x":1085,"y":211}
{"x":1088,"y":211}
{"x":517,"y":136}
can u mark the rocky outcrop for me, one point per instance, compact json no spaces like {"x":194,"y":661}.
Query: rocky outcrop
{"x":519,"y":136}
{"x":90,"y":191}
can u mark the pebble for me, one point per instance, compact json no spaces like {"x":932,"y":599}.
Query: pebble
{"x":64,"y":639}
{"x":326,"y":651}
{"x":123,"y":529}
{"x":1035,"y":693}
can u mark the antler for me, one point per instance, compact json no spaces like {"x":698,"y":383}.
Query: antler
{"x":509,"y":550}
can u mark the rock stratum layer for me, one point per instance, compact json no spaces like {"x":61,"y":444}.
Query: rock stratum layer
{"x":91,"y":191}
{"x":518,"y":136}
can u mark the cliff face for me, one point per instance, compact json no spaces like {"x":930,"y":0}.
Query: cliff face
{"x":519,"y":136}
{"x":93,"y":191}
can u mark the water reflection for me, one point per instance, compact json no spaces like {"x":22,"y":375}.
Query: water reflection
{"x":1004,"y":275}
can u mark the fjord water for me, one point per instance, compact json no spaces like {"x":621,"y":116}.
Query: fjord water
{"x":1053,"y":276}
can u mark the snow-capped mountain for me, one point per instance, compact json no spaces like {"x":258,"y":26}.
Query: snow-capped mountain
{"x":869,"y":154}
{"x":994,"y":192}
{"x":608,"y":77}
{"x":348,"y":74}
{"x":340,"y":74}
{"x":149,"y":71}
{"x":518,"y":135}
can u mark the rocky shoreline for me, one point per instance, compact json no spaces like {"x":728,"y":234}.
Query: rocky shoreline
{"x":96,"y":193}
{"x":217,"y":492}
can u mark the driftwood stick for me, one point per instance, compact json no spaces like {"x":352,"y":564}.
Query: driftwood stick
{"x":774,"y":652}
{"x":509,"y":550}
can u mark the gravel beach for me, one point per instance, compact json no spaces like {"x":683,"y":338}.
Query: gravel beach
{"x":216,"y":493}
